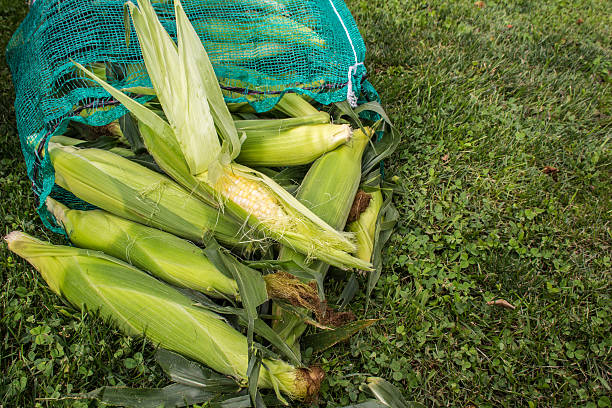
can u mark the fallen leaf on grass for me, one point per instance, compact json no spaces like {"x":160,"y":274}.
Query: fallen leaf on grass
{"x":552,"y":171}
{"x":579,"y":21}
{"x":479,"y":4}
{"x":445,"y":158}
{"x":502,"y":303}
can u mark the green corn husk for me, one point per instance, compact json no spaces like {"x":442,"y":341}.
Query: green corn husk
{"x":187,"y":88}
{"x":166,"y":256}
{"x":138,"y":303}
{"x":293,"y":147}
{"x":66,"y":140}
{"x":279,"y":125}
{"x":365,"y":226}
{"x":295,"y":106}
{"x":113,"y":148}
{"x":132,"y":191}
{"x":240,"y":107}
{"x":328,"y":188}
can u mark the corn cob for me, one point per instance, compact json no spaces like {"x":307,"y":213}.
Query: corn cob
{"x":164,"y":255}
{"x":132,"y":191}
{"x":185,"y":83}
{"x":138,"y":303}
{"x":299,"y":145}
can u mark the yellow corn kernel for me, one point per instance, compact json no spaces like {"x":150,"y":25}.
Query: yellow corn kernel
{"x":252,"y":196}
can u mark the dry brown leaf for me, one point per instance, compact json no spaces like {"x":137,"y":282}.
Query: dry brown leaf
{"x":445,"y":158}
{"x":502,"y":303}
{"x":361,"y":202}
{"x":579,"y":21}
{"x":479,"y":4}
{"x":552,"y":171}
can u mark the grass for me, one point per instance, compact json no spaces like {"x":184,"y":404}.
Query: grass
{"x":486,"y":95}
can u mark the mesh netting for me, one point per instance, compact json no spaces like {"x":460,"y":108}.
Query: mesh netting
{"x":260,"y":49}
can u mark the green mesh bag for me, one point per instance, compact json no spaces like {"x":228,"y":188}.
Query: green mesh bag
{"x":260,"y":49}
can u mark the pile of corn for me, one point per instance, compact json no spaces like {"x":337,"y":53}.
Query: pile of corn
{"x":274,"y":188}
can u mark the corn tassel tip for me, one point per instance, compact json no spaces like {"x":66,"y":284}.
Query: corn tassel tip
{"x":284,"y":286}
{"x":309,"y":382}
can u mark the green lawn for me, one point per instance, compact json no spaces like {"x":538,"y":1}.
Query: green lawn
{"x":485,"y":98}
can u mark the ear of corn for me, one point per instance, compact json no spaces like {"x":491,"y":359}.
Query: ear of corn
{"x":365,"y":226}
{"x":328,"y":188}
{"x":295,"y":225}
{"x":226,"y":53}
{"x":293,"y":147}
{"x":164,"y":255}
{"x":282,"y":217}
{"x":331,"y":183}
{"x":132,"y":191}
{"x":113,"y":148}
{"x":138,"y":303}
{"x":66,"y":140}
